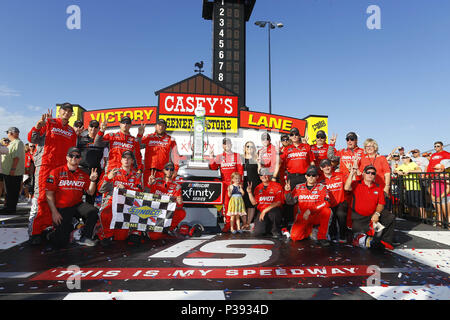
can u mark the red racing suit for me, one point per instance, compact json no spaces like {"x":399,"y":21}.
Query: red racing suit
{"x":52,"y":142}
{"x":319,"y":153}
{"x":106,"y":186}
{"x":173,"y":189}
{"x":316,"y":201}
{"x":335,"y":185}
{"x":118,"y":144}
{"x":297,"y":159}
{"x":269,"y":157}
{"x":159,"y":151}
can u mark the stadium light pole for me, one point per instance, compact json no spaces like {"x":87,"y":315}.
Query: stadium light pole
{"x":270,"y":25}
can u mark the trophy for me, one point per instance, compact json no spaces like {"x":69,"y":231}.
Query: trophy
{"x":198,"y":143}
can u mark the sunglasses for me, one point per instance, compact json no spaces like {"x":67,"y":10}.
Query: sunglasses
{"x":285,"y":139}
{"x":437,"y":146}
{"x":93,"y":127}
{"x":311,"y":175}
{"x":373,"y":173}
{"x":350,"y":139}
{"x":295,"y":134}
{"x":169,"y":169}
{"x":76,"y":156}
{"x":320,"y":137}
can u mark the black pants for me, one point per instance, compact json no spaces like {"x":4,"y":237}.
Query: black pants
{"x":361,"y":224}
{"x":295,"y":179}
{"x":12,"y":188}
{"x":271,"y":222}
{"x":338,"y":227}
{"x":91,"y":199}
{"x":60,"y":237}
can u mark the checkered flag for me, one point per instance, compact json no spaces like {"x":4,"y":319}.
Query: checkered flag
{"x":141,"y":211}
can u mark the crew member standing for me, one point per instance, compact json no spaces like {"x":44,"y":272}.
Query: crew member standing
{"x":52,"y":137}
{"x":228,"y":162}
{"x":320,"y":151}
{"x":120,"y":142}
{"x":160,"y":148}
{"x":268,"y":155}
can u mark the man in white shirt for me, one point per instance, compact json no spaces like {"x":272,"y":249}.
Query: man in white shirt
{"x":422,"y":162}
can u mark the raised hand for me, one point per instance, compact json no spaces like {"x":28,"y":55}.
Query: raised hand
{"x":287,"y":186}
{"x":141,"y":129}
{"x":103,"y":126}
{"x":249,"y":188}
{"x":333,"y":139}
{"x":152,"y":178}
{"x":94,"y":175}
{"x":113,"y":173}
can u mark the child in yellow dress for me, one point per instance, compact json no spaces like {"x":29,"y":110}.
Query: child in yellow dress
{"x":236,"y":206}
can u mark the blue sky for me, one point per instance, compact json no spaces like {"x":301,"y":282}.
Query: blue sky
{"x":392,"y":84}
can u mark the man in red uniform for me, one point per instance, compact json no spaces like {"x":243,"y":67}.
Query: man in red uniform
{"x":167,"y":186}
{"x":368,"y":209}
{"x":268,"y":199}
{"x":320,"y":150}
{"x":268,"y":155}
{"x":347,"y":155}
{"x":160,"y":148}
{"x":120,"y":142}
{"x":296,"y":159}
{"x":438,"y":156}
{"x":334,"y":181}
{"x":313,"y":203}
{"x":64,"y":193}
{"x":124,"y":177}
{"x":52,"y":137}
{"x":228,"y":162}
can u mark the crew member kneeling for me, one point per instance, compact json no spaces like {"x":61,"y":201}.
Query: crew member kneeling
{"x":268,"y":199}
{"x":124,"y":177}
{"x":64,"y":191}
{"x":166,"y":186}
{"x":368,"y":210}
{"x":313,"y":208}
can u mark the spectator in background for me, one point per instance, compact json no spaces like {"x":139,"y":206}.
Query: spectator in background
{"x":3,"y":150}
{"x":394,"y":162}
{"x":421,"y":161}
{"x":13,"y":167}
{"x":440,"y":194}
{"x":414,"y":196}
{"x":250,"y":176}
{"x":438,"y":156}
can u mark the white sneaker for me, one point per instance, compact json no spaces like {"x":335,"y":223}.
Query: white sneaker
{"x":87,"y":242}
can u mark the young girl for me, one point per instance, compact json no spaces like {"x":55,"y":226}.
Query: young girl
{"x":236,"y":206}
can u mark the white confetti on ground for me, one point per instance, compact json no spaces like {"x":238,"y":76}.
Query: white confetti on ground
{"x":435,"y":258}
{"x":427,"y":292}
{"x":437,"y":236}
{"x":10,"y":237}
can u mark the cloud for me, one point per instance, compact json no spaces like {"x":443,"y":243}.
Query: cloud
{"x":34,"y":108}
{"x":16,"y":119}
{"x":8,"y":92}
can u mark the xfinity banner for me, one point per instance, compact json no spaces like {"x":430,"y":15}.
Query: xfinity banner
{"x":203,"y":192}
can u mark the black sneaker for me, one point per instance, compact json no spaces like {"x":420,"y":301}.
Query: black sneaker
{"x":106,"y":242}
{"x":35,"y":240}
{"x":134,"y":239}
{"x":323,"y":243}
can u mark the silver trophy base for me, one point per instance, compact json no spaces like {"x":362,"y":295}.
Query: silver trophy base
{"x":197,"y":165}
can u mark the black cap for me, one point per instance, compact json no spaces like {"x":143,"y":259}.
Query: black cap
{"x":169,"y":165}
{"x":294,"y":130}
{"x":321,"y":133}
{"x":161,"y":121}
{"x":125,"y":120}
{"x":94,"y":123}
{"x":128,"y":153}
{"x":325,"y":162}
{"x":72,"y":150}
{"x":265,"y":136}
{"x":78,"y":124}
{"x":351,"y":135}
{"x":66,"y":105}
{"x":368,"y":167}
{"x":312,"y":171}
{"x":284,"y":136}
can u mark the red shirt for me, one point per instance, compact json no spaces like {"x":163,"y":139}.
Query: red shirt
{"x":347,"y":157}
{"x":314,"y":199}
{"x":297,"y":159}
{"x":436,"y":158}
{"x":365,"y":198}
{"x":159,"y":151}
{"x":118,"y":144}
{"x":129,"y":180}
{"x":161,"y":187}
{"x":380,"y":163}
{"x":268,"y":156}
{"x":335,"y":185}
{"x":265,"y":196}
{"x":68,"y":186}
{"x":28,"y":159}
{"x":52,"y":142}
{"x":228,"y":163}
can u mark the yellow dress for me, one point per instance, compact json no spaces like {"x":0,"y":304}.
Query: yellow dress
{"x":236,"y":204}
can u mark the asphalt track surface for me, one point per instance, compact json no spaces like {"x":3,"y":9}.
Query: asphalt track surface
{"x":225,"y":267}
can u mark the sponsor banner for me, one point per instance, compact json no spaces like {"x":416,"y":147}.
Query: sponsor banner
{"x":185,"y":104}
{"x":316,"y":123}
{"x":86,"y":274}
{"x":203,"y":192}
{"x":271,"y":122}
{"x":214,"y":124}
{"x":112,"y":117}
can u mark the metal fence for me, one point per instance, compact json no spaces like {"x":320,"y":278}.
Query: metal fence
{"x":424,"y":197}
